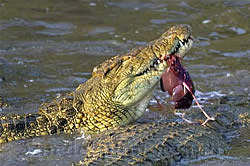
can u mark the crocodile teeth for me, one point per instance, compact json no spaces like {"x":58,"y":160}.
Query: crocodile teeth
{"x":182,"y":43}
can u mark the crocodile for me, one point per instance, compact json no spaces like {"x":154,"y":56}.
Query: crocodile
{"x":117,"y":95}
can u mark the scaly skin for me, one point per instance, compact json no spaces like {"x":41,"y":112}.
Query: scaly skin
{"x":152,"y":144}
{"x":117,"y":93}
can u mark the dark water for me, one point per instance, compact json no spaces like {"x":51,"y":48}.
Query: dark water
{"x":49,"y":47}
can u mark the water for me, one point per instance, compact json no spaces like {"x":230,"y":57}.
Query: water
{"x":49,"y":47}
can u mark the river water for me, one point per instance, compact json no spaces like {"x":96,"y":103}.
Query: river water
{"x":49,"y":47}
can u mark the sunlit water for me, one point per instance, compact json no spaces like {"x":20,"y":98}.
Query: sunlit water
{"x":49,"y":47}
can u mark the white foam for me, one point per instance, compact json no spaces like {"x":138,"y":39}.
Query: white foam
{"x":35,"y":152}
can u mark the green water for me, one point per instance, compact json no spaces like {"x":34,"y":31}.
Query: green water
{"x":49,"y":47}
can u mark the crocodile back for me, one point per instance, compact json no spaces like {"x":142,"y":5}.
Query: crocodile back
{"x":59,"y":116}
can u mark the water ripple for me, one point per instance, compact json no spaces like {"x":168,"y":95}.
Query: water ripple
{"x":51,"y":29}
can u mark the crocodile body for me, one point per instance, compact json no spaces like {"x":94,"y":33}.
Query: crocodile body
{"x":153,"y":144}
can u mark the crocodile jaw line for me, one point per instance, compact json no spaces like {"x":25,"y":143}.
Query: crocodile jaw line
{"x":181,"y":47}
{"x":179,"y":50}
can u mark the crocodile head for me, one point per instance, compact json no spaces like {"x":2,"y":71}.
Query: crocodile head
{"x":140,"y":73}
{"x":128,"y":80}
